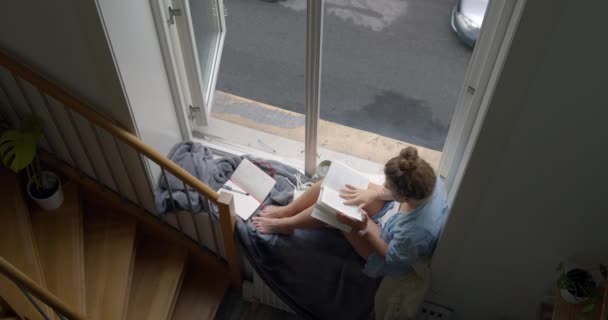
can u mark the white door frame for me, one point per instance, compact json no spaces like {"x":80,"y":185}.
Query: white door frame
{"x":485,"y":68}
{"x":173,"y":58}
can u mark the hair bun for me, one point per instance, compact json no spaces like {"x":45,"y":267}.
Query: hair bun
{"x":409,"y":153}
{"x":408,"y":159}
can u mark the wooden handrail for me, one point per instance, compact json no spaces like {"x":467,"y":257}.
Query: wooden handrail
{"x":102,"y":121}
{"x":37,"y":291}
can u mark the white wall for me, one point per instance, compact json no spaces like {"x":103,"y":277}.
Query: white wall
{"x":132,"y":36}
{"x":63,"y":40}
{"x":533,"y":193}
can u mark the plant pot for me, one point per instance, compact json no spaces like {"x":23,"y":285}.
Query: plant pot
{"x":570,"y":298}
{"x":50,"y":198}
{"x":585,"y":285}
{"x":323,"y":168}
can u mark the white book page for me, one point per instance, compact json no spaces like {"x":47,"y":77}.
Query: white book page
{"x":332,"y":199}
{"x":330,"y":219}
{"x":244,"y":205}
{"x":339,"y":175}
{"x":253,"y":180}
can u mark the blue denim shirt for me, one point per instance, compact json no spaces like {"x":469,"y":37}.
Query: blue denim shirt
{"x":409,"y":235}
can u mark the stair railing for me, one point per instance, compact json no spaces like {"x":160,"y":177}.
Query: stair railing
{"x":96,"y":120}
{"x":31,"y":289}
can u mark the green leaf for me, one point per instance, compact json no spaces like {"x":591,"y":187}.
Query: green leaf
{"x":588,"y":308}
{"x":4,"y":147}
{"x":18,"y":149}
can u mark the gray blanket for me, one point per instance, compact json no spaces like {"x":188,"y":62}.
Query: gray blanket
{"x":316,"y":272}
{"x":198,"y":161}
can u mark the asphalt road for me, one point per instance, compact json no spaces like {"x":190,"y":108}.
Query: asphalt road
{"x":392,"y":67}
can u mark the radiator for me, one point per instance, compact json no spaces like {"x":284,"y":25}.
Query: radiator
{"x":255,"y":290}
{"x":258,"y":291}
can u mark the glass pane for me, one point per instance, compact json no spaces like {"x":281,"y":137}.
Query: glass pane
{"x":207,"y":28}
{"x":259,"y":101}
{"x":392,"y":74}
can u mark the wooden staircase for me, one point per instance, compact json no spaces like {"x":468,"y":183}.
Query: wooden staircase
{"x":100,"y":261}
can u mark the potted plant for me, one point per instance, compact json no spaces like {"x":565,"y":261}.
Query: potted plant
{"x":18,"y":152}
{"x":580,"y":284}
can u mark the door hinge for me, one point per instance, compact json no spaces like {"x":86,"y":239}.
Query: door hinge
{"x":192,"y":110}
{"x":172,"y":14}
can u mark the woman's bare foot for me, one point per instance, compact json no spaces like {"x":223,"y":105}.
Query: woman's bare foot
{"x":275,"y":212}
{"x":272,"y":225}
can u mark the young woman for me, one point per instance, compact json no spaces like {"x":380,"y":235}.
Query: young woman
{"x":401,"y":220}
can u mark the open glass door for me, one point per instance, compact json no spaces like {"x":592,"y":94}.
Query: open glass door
{"x":192,"y":37}
{"x":259,"y":99}
{"x":205,"y":23}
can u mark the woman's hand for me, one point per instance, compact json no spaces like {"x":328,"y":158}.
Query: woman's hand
{"x":355,"y":224}
{"x":357,"y":197}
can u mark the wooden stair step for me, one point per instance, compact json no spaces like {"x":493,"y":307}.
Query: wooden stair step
{"x":60,"y":244}
{"x":201,"y":294}
{"x":17,"y":245}
{"x":157,"y":276}
{"x":109,"y":242}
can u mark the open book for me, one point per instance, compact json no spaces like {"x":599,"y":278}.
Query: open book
{"x":249,"y":186}
{"x":329,"y":202}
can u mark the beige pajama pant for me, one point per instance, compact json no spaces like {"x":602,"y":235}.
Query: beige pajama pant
{"x":400,"y":297}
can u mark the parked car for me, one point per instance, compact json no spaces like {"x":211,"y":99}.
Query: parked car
{"x":467,"y":17}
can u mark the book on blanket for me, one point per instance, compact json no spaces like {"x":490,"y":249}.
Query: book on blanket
{"x":249,"y":186}
{"x":330,"y":202}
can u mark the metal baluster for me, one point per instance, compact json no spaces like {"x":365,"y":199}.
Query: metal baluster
{"x":10,"y":100}
{"x":146,"y":166}
{"x":217,"y":247}
{"x":59,"y":129}
{"x":31,"y":299}
{"x":105,"y":155}
{"x":30,"y":107}
{"x":122,"y":161}
{"x":198,"y":234}
{"x":61,"y":317}
{"x":162,"y":170}
{"x":28,"y":102}
{"x":179,"y":223}
{"x":81,"y":140}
